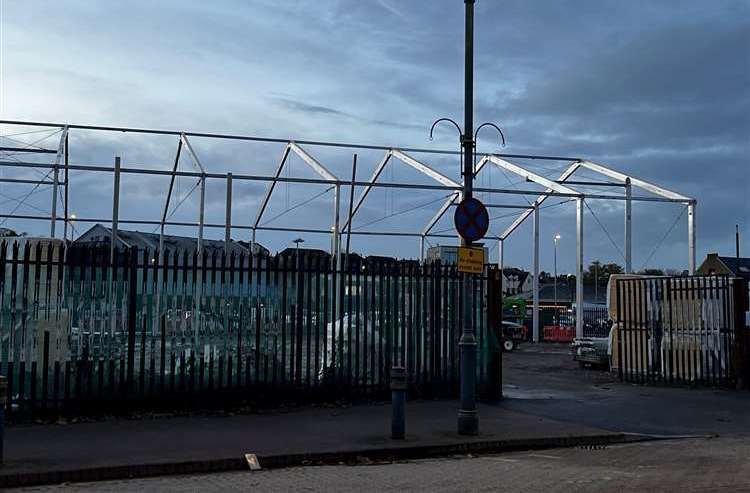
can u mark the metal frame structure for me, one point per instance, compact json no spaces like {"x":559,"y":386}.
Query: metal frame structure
{"x":562,"y":187}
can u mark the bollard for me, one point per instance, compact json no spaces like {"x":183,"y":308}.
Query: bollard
{"x":3,"y":397}
{"x":398,"y":401}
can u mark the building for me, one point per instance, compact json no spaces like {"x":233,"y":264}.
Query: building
{"x":516,"y":281}
{"x":99,"y":235}
{"x":305,"y":254}
{"x":448,"y":254}
{"x":566,"y":295}
{"x":725,"y":266}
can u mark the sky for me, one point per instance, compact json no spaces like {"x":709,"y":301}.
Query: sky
{"x":659,"y":90}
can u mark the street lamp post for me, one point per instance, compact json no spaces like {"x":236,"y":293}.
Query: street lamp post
{"x":296,"y":252}
{"x":468,"y":418}
{"x":557,"y":237}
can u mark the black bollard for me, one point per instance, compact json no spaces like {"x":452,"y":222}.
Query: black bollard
{"x":398,"y":402}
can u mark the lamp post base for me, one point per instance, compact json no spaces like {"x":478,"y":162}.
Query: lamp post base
{"x":468,"y":422}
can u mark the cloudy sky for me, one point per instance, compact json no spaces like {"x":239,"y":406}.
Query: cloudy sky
{"x":656,"y":89}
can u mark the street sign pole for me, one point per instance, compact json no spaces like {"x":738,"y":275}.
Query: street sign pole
{"x":468,"y":418}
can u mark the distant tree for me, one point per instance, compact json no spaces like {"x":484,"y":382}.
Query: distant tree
{"x":652,"y":272}
{"x":597,"y":270}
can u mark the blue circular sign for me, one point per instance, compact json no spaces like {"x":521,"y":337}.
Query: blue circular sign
{"x":471,"y":219}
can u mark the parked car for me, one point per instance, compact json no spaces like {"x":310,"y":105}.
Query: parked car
{"x":513,"y":334}
{"x":592,"y":351}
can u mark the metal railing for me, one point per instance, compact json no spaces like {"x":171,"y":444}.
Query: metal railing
{"x":78,"y":331}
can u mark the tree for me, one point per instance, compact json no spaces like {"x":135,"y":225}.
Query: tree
{"x":597,"y":270}
{"x":652,"y":272}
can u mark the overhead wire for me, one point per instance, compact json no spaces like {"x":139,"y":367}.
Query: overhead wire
{"x":18,"y":199}
{"x":296,"y":206}
{"x":663,"y":239}
{"x":606,"y":232}
{"x":177,"y":206}
{"x":404,"y":211}
{"x":31,"y":132}
{"x":27,"y":145}
{"x":23,"y":200}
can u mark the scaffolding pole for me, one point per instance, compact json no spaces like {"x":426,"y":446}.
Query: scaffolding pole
{"x":579,"y":268}
{"x":535,"y":316}
{"x":628,"y":227}
{"x":691,"y":237}
{"x":115,"y":211}
{"x":228,"y":216}
{"x":500,"y":263}
{"x":56,"y":181}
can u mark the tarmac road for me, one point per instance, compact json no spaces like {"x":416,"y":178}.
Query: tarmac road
{"x":543,"y":380}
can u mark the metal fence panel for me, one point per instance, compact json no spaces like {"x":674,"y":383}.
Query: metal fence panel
{"x":677,"y":330}
{"x":79,"y":329}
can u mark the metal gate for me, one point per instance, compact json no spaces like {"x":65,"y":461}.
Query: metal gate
{"x":681,"y":330}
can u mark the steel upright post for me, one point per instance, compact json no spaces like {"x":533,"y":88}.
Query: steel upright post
{"x":201,"y":215}
{"x":115,"y":210}
{"x":228,"y":216}
{"x":579,"y":268}
{"x":691,"y":237}
{"x":555,"y":280}
{"x":500,"y":256}
{"x":66,"y":211}
{"x":535,"y":279}
{"x":468,"y":418}
{"x":628,"y":227}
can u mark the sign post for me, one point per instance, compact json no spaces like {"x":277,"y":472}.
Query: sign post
{"x":468,"y":418}
{"x":471,"y":222}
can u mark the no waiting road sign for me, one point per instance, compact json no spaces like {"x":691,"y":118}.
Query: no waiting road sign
{"x":471,"y":219}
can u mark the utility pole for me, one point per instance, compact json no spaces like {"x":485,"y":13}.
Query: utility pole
{"x":468,"y":418}
{"x":737,"y":240}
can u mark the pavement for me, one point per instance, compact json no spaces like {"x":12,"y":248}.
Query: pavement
{"x":709,"y":465}
{"x":111,"y":449}
{"x":549,"y":401}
